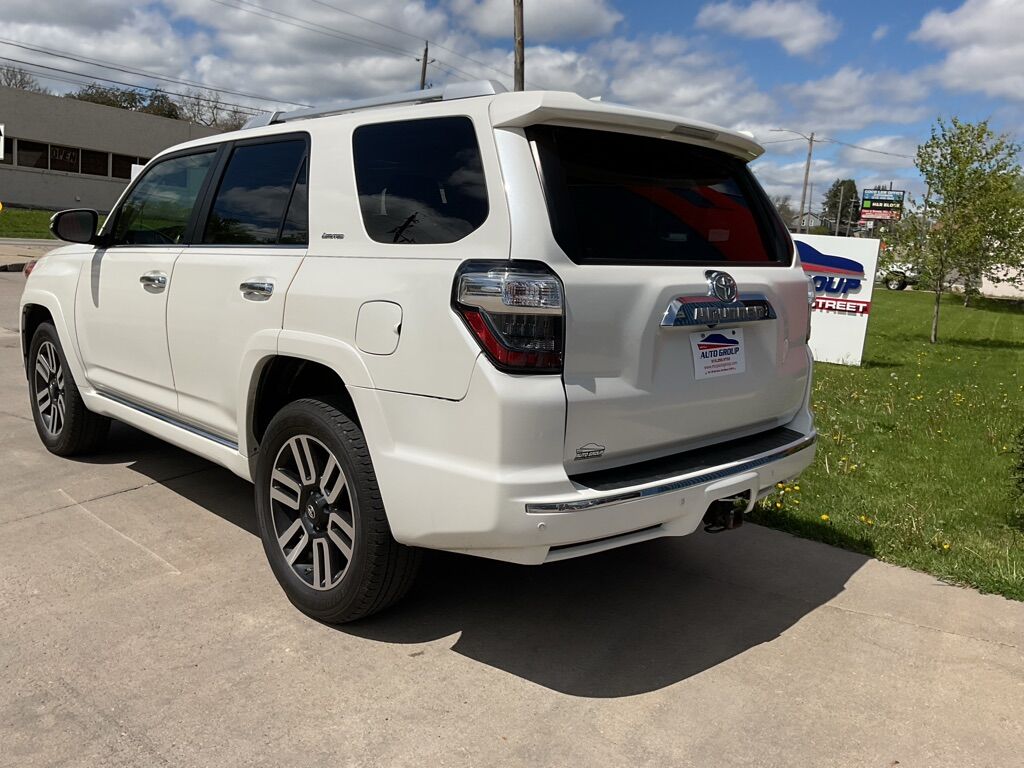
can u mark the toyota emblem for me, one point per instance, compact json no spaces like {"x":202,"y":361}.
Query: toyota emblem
{"x":721,"y":286}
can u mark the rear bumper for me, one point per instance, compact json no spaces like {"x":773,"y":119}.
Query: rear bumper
{"x":486,"y":475}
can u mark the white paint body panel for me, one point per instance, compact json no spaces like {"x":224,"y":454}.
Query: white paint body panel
{"x":460,"y":449}
{"x":211,"y":326}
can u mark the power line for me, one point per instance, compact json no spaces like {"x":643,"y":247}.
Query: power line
{"x":868,"y":149}
{"x":310,"y":26}
{"x":241,"y":107}
{"x":140,"y":72}
{"x":416,"y":37}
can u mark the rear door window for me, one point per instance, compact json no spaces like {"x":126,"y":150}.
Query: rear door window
{"x":618,"y":198}
{"x":254,"y":201}
{"x":420,"y":181}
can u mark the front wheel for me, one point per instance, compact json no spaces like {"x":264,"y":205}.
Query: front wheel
{"x":894,"y":283}
{"x":64,"y":424}
{"x":321,"y":517}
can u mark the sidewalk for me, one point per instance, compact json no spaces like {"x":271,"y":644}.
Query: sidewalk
{"x":14,"y":252}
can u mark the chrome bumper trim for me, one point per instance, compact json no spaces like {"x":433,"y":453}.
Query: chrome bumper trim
{"x":676,"y":483}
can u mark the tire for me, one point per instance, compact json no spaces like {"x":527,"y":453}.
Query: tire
{"x":64,"y":424}
{"x":895,"y":283}
{"x":328,"y":542}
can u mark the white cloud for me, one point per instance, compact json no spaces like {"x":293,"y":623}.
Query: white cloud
{"x":543,"y":22}
{"x":799,"y":26}
{"x":984,"y":46}
{"x":880,"y":32}
{"x":851,"y":99}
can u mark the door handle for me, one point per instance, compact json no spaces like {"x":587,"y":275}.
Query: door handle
{"x":154,"y":282}
{"x":256,"y":289}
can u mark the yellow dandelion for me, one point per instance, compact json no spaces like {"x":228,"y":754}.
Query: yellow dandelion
{"x":945,"y":545}
{"x":824,"y":518}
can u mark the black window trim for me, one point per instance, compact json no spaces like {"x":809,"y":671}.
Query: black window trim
{"x":355,"y":178}
{"x":207,"y":195}
{"x":110,"y":226}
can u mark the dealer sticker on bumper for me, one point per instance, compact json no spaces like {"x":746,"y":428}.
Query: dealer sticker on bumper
{"x":717,"y":353}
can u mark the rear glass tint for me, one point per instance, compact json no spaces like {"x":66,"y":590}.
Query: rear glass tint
{"x":420,"y":181}
{"x":617,"y":198}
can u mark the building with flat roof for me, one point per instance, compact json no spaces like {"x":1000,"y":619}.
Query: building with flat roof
{"x":65,"y":153}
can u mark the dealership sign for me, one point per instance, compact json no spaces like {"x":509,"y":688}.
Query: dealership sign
{"x":843,"y":272}
{"x":885,"y":204}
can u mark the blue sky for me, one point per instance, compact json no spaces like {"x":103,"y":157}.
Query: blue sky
{"x":869,"y":74}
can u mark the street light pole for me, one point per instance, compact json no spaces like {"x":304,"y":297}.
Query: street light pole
{"x":807,"y":171}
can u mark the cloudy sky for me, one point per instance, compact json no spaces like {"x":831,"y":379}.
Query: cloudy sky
{"x":873,"y":74}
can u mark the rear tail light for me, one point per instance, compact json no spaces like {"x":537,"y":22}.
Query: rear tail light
{"x":29,"y":266}
{"x":515,"y":312}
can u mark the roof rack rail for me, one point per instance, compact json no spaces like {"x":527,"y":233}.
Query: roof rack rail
{"x":444,"y":93}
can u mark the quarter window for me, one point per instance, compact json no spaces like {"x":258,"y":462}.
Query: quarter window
{"x":159,"y":207}
{"x":253,"y":199}
{"x":420,"y":181}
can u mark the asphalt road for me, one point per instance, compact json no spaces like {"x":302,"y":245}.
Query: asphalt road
{"x":140,"y":626}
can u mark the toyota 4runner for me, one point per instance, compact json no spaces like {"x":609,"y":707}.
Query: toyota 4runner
{"x":524,"y":326}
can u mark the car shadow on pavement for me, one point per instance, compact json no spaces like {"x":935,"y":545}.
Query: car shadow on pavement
{"x":618,"y":623}
{"x":623,"y":622}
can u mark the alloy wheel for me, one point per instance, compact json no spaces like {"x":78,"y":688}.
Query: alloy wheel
{"x":48,"y":381}
{"x":312,"y":511}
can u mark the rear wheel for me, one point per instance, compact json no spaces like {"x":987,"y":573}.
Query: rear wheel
{"x":321,"y":517}
{"x":64,"y":424}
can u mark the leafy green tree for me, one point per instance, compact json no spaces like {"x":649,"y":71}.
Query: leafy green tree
{"x":974,"y":210}
{"x":843,"y":192}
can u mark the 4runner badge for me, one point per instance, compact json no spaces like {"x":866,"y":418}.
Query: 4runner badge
{"x":589,"y":451}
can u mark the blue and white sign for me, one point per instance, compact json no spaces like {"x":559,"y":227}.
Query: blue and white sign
{"x":843,"y":271}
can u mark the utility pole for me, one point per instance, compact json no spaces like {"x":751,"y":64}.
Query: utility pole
{"x":807,"y":175}
{"x":517,"y":11}
{"x":423,"y":64}
{"x":839,"y":210}
{"x":807,"y":171}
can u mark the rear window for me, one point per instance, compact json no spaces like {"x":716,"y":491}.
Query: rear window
{"x":616,"y":198}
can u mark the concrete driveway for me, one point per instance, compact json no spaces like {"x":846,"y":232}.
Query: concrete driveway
{"x":141,"y":626}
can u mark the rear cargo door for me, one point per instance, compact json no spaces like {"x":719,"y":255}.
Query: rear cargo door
{"x":686,"y":317}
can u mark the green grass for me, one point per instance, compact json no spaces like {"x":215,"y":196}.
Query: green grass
{"x":25,"y":222}
{"x":916,"y":449}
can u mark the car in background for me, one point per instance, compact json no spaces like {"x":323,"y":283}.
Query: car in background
{"x":898,"y":276}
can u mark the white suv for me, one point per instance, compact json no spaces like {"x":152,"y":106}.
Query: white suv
{"x":525,"y":326}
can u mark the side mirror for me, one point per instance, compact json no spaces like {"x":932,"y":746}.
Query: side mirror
{"x":78,"y":225}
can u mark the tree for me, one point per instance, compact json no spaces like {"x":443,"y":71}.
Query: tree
{"x":974,"y":218}
{"x":153,"y":103}
{"x":843,"y":192}
{"x":784,"y":205}
{"x":13,"y":77}
{"x":206,"y":108}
